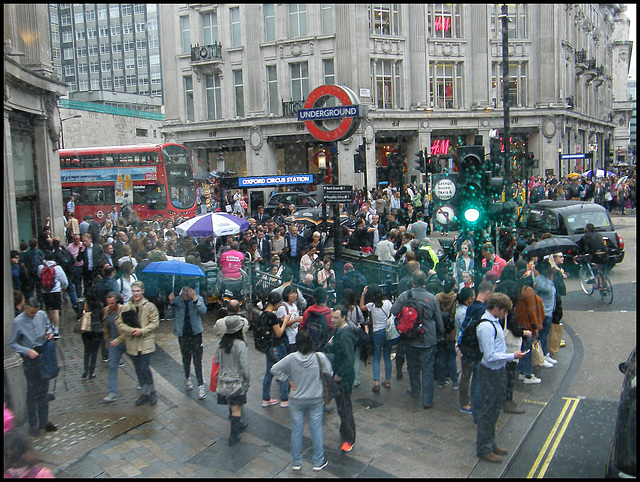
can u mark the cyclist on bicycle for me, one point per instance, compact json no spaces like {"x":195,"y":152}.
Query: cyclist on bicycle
{"x":592,"y":244}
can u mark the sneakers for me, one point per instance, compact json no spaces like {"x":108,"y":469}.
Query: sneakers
{"x":446,"y":383}
{"x":105,"y":360}
{"x":456,"y":386}
{"x":346,"y":447}
{"x":546,"y":364}
{"x":56,"y":336}
{"x":122,"y":364}
{"x":144,"y":398}
{"x":202,"y":394}
{"x":521,"y":376}
{"x":112,"y":397}
{"x":284,"y":404}
{"x":188,"y":384}
{"x":465,"y":410}
{"x":548,"y":358}
{"x":269,"y":403}
{"x":328,"y":409}
{"x":153,"y":397}
{"x":296,"y":467}
{"x":531,"y":380}
{"x":318,"y":468}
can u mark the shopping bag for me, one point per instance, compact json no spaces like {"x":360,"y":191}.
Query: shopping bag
{"x":83,"y":325}
{"x":391,"y":330}
{"x":553,"y":340}
{"x":537,"y":357}
{"x":215,"y":369}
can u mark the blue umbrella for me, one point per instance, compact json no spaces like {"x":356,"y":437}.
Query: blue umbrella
{"x":173,"y":267}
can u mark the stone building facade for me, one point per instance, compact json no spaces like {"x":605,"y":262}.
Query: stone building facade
{"x":430,"y":75}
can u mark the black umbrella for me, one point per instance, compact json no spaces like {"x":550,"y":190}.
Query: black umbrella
{"x":550,"y":246}
{"x":313,"y":216}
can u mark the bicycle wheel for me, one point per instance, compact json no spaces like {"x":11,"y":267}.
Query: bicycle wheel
{"x":587,"y":281}
{"x":606,"y":291}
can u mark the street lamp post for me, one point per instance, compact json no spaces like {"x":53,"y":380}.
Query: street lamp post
{"x":77,"y":116}
{"x":322,"y":165}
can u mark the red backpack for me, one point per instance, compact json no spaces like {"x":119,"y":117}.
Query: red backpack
{"x":48,"y":277}
{"x":409,"y":320}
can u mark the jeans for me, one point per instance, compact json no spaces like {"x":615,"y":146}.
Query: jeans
{"x":92,"y":342}
{"x":446,"y":361}
{"x":191,"y":347}
{"x":492,"y":384}
{"x":524,"y":364}
{"x":115,"y":354}
{"x":345,"y":412}
{"x":145,"y":378}
{"x":356,"y":364}
{"x":476,"y":394}
{"x":71,"y":290}
{"x":268,"y":377}
{"x":37,"y":389}
{"x":380,"y":342}
{"x":465,"y":382}
{"x":421,"y":365}
{"x":512,"y":374}
{"x":313,"y":409}
{"x":399,"y":356}
{"x":544,"y":333}
{"x":76,"y":280}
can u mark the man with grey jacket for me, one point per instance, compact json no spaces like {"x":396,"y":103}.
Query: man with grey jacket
{"x":421,"y":351}
{"x":188,"y":328}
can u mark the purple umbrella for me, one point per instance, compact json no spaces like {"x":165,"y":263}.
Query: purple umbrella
{"x":212,"y":224}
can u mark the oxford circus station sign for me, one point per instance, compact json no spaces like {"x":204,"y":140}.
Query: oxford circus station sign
{"x":332,"y":123}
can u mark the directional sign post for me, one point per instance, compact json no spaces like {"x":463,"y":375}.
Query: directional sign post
{"x":337,"y":194}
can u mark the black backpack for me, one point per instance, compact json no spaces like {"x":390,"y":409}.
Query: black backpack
{"x":263,"y":332}
{"x":316,"y":325}
{"x":409,"y":320}
{"x":468,"y":341}
{"x":65,"y":260}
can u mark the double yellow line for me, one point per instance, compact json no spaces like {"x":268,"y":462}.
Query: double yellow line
{"x":557,"y":433}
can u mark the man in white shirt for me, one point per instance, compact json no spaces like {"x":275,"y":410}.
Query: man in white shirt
{"x":386,"y":248}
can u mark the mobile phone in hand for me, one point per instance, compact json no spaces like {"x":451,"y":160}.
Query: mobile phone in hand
{"x":525,"y":352}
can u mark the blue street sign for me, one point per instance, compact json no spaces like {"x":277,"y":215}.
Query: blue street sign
{"x":275,"y":180}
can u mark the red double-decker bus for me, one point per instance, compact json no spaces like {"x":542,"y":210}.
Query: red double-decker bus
{"x":157,"y":177}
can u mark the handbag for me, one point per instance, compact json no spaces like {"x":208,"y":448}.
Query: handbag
{"x":83,"y":325}
{"x":514,"y":343}
{"x":553,"y":340}
{"x":537,"y":357}
{"x":329,"y":386}
{"x":215,"y":370}
{"x":390,"y":329}
{"x":228,"y":385}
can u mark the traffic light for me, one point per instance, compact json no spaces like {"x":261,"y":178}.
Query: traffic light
{"x":360,"y":158}
{"x":495,"y":154}
{"x":429,"y":166}
{"x":382,"y":175}
{"x":420,"y":161}
{"x":472,"y":202}
{"x":394,"y":162}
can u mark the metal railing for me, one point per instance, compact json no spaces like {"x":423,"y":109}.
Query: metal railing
{"x":206,"y":52}
{"x":290,"y":109}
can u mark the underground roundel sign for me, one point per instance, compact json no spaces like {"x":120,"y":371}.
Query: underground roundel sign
{"x":331,"y":123}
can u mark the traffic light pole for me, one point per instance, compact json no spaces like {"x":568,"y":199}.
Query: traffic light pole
{"x":506,"y":101}
{"x":337,"y":239}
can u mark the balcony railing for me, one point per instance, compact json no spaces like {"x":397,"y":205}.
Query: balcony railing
{"x":290,"y":109}
{"x":200,"y":53}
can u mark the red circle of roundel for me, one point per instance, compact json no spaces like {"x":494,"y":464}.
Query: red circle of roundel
{"x":343,"y":127}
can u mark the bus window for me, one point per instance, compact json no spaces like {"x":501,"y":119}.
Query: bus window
{"x":154,"y":196}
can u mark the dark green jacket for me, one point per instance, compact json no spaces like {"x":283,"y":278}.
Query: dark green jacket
{"x":342,"y":347}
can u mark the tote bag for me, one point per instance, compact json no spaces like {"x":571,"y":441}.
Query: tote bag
{"x":514,"y":343}
{"x":537,"y":357}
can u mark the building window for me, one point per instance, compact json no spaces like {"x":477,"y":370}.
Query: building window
{"x":142,"y":132}
{"x":126,"y":10}
{"x":102,"y":14}
{"x":188,"y":89}
{"x":128,"y":45}
{"x":239,"y":92}
{"x":117,"y":64}
{"x":106,"y":83}
{"x":384,"y":18}
{"x":186,"y":37}
{"x":104,"y":49}
{"x":297,"y":20}
{"x":269,"y":22}
{"x":104,"y":31}
{"x":68,"y":54}
{"x":152,"y":24}
{"x":328,"y":71}
{"x":517,"y":83}
{"x":140,"y":25}
{"x":214,"y":97}
{"x":299,"y":81}
{"x":105,"y":65}
{"x":138,"y":9}
{"x":94,"y":67}
{"x":71,"y":87}
{"x":67,"y":37}
{"x":517,"y":14}
{"x":388,"y":88}
{"x":92,"y":49}
{"x":142,"y":61}
{"x":116,"y":46}
{"x":153,"y":42}
{"x":91,"y":32}
{"x":80,"y":35}
{"x":444,"y":20}
{"x":114,"y":12}
{"x":55,"y":53}
{"x":235,"y":26}
{"x":115,"y":29}
{"x":55,"y":36}
{"x":82,"y":68}
{"x":53,"y":18}
{"x":326,"y":15}
{"x":272,"y":89}
{"x":143,"y":79}
{"x":130,"y":80}
{"x":81,"y":51}
{"x":118,"y":82}
{"x":83,"y":85}
{"x":127,"y":27}
{"x":79,"y":17}
{"x":209,"y":27}
{"x":156,"y":78}
{"x":154,"y":60}
{"x":90,"y":15}
{"x":65,"y":20}
{"x":130,"y":63}
{"x":95,"y":84}
{"x":141,"y":43}
{"x":445,"y":80}
{"x":68,"y":71}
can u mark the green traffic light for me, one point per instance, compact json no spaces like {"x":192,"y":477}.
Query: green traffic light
{"x":471,"y":215}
